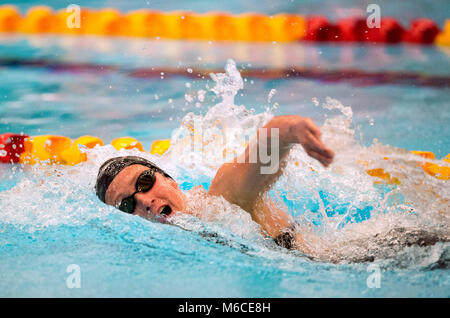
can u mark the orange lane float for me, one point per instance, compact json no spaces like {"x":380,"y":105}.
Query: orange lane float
{"x":224,"y":27}
{"x":443,"y":38}
{"x":196,"y":26}
{"x":432,"y":169}
{"x":148,"y":23}
{"x":66,"y":22}
{"x":159,"y":147}
{"x":9,"y":18}
{"x":447,"y":158}
{"x":254,"y":28}
{"x":380,"y":173}
{"x":219,"y":26}
{"x":288,"y":27}
{"x":127,"y":143}
{"x":39,"y":19}
{"x":21,"y":148}
{"x":73,"y":155}
{"x":44,"y":148}
{"x":424,"y":154}
{"x":435,"y":170}
{"x":109,"y":22}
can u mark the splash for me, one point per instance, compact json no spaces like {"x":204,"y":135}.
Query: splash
{"x":353,"y":215}
{"x":204,"y":142}
{"x":345,"y":214}
{"x":357,"y":217}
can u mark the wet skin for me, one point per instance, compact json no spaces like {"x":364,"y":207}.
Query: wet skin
{"x":150,"y":204}
{"x":239,"y":183}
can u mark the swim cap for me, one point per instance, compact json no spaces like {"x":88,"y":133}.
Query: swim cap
{"x":111,"y":168}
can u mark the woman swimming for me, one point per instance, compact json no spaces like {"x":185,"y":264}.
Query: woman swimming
{"x":136,"y":186}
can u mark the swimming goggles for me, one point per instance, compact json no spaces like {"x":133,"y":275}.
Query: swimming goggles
{"x":144,"y":183}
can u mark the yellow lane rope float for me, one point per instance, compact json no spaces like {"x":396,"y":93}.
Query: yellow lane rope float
{"x":127,"y":143}
{"x":217,"y":26}
{"x":213,"y":26}
{"x":443,"y":38}
{"x":20,"y":148}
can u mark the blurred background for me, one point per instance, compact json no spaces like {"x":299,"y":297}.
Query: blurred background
{"x":404,"y":12}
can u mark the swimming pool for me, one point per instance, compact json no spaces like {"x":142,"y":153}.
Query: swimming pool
{"x":51,"y":218}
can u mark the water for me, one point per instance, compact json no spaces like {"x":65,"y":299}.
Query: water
{"x":51,"y":218}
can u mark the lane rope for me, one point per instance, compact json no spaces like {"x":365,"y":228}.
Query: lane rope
{"x":219,"y":26}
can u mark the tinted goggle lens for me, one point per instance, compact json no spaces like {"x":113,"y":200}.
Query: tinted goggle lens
{"x":128,"y":205}
{"x":144,"y":183}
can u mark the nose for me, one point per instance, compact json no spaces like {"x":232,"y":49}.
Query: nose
{"x":151,"y":203}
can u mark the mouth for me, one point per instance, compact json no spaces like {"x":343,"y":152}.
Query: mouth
{"x":165,"y":210}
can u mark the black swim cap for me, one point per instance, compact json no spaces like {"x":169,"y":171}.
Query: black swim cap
{"x":111,"y":168}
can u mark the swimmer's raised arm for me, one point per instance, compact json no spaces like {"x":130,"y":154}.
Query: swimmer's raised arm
{"x":241,"y":181}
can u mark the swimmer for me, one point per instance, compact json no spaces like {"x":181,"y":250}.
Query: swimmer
{"x":137,"y":186}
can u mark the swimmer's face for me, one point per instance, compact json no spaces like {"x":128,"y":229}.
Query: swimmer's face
{"x":163,"y":199}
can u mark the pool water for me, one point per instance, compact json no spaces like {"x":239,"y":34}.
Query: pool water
{"x":51,"y":218}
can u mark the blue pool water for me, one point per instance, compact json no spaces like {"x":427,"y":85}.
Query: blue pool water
{"x":50,"y":217}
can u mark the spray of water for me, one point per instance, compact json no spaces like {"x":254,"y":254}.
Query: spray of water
{"x":345,"y":214}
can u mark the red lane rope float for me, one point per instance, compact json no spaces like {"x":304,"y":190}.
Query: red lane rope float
{"x":11,"y":147}
{"x":422,"y":31}
{"x":320,"y":29}
{"x":219,"y":26}
{"x":355,"y":29}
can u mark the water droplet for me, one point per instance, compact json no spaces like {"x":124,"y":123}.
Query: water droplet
{"x":201,"y":95}
{"x":315,"y":101}
{"x":271,"y":94}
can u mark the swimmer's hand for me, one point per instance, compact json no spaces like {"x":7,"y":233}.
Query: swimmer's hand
{"x":302,"y":130}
